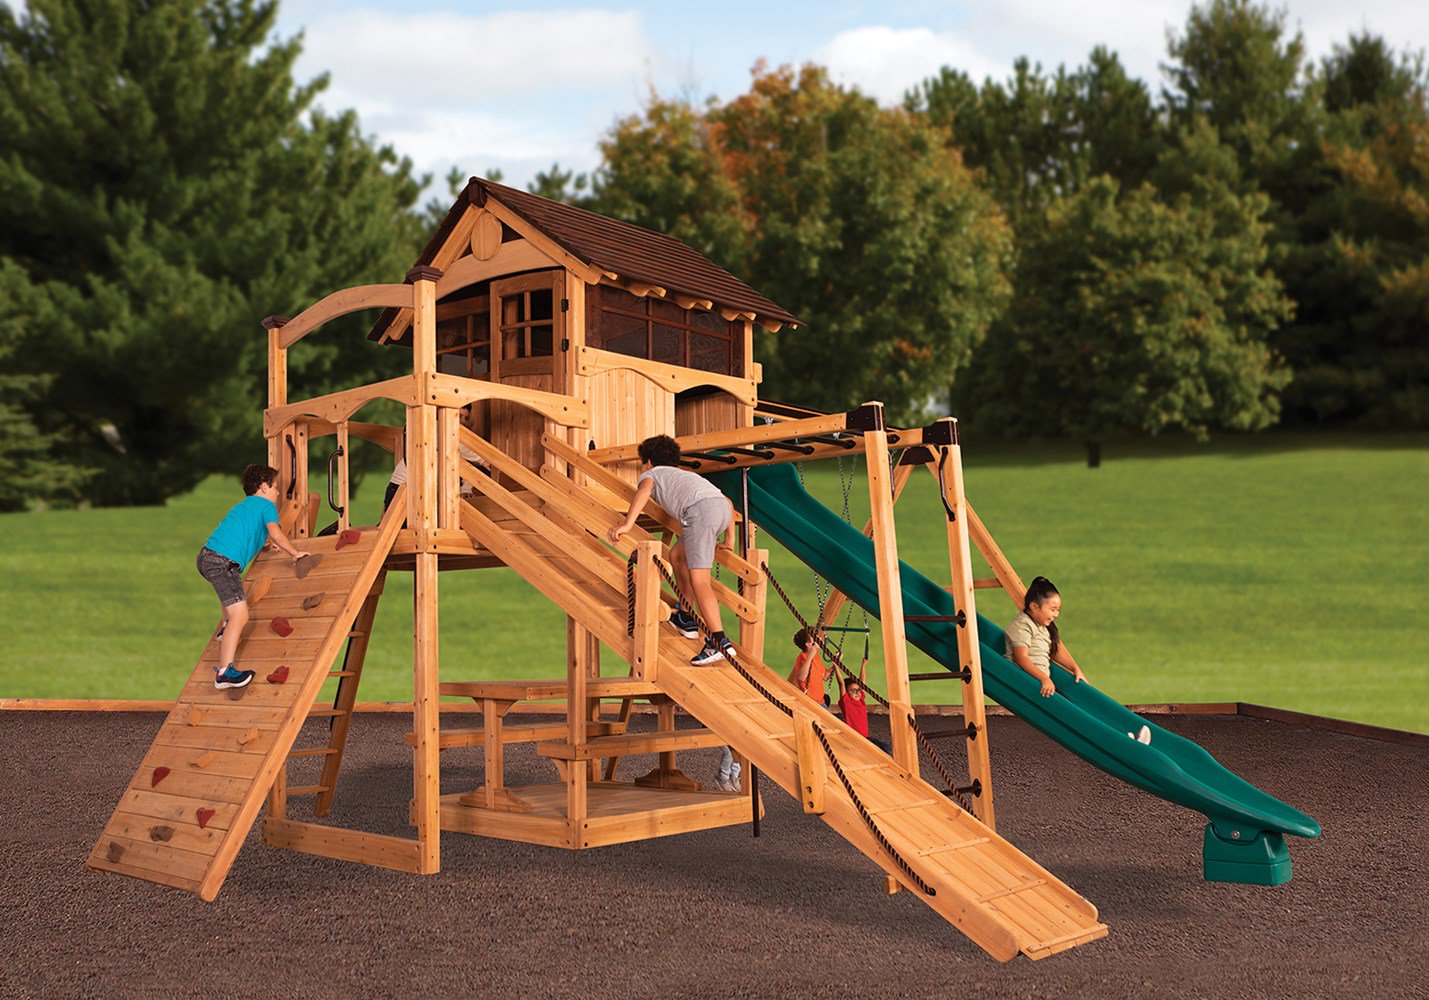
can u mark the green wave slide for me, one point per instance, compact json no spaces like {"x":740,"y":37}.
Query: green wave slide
{"x":1245,"y":838}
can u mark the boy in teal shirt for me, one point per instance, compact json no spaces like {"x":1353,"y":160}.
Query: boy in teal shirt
{"x":251,"y":523}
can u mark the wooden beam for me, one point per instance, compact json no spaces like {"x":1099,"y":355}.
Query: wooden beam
{"x":890,"y":599}
{"x":517,"y":255}
{"x":649,"y":613}
{"x":737,"y":437}
{"x":837,"y":598}
{"x":813,"y":769}
{"x":345,"y":845}
{"x":338,"y":406}
{"x":453,"y":390}
{"x":340,"y":303}
{"x":456,"y":244}
{"x":671,"y":378}
{"x":577,"y":778}
{"x":948,"y":471}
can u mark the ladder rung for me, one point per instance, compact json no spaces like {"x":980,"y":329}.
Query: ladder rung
{"x":342,"y":673}
{"x":354,"y":634}
{"x":313,"y":752}
{"x":326,"y":713}
{"x":308,"y":790}
{"x":906,"y":805}
{"x":1029,"y":884}
{"x":941,"y":676}
{"x":952,"y":847}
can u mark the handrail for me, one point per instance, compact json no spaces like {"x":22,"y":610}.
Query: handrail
{"x":340,"y":303}
{"x":330,"y":459}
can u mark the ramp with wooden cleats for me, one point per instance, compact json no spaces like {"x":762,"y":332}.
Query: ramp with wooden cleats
{"x":552,"y":534}
{"x":191,"y":803}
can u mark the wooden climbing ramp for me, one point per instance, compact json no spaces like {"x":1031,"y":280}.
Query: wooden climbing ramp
{"x":551,"y":535}
{"x":198,"y":791}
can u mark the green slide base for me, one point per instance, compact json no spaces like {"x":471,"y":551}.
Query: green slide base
{"x":1260,"y":860}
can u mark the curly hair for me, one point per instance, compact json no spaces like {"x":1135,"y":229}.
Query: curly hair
{"x":255,"y":476}
{"x":660,"y":450}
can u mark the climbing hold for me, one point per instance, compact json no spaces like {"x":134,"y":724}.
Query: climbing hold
{"x":203,"y":759}
{"x":204,"y":815}
{"x":160,"y":773}
{"x":258,"y":589}
{"x":248,"y":737}
{"x":161,"y":834}
{"x":236,"y":694}
{"x":306,"y":565}
{"x":278,"y":676}
{"x":115,"y":852}
{"x":349,"y":537}
{"x":281,"y":626}
{"x":195,"y":716}
{"x":312,"y":601}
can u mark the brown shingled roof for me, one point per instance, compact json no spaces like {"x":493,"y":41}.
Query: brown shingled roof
{"x":630,"y":251}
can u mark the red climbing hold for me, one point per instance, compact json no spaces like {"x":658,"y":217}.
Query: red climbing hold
{"x":278,"y":676}
{"x":281,"y":626}
{"x":160,"y":773}
{"x":349,"y":537}
{"x":204,"y":815}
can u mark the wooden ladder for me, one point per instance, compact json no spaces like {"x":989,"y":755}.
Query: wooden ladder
{"x":339,"y":717}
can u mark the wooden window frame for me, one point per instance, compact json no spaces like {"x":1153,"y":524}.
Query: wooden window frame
{"x":524,"y":284}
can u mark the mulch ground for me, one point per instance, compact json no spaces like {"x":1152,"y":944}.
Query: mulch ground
{"x":794,"y":913}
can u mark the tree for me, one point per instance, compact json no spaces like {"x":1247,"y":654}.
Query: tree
{"x":1039,"y":137}
{"x":1134,"y":312}
{"x":857,"y":218}
{"x":164,"y":186}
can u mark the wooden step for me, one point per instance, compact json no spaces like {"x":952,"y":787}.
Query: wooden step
{"x":307,"y":790}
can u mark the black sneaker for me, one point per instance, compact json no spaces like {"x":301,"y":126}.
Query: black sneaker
{"x":685,"y":624}
{"x":713,"y":652}
{"x":231,"y":678}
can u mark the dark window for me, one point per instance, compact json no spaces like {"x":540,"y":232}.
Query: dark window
{"x":663,"y":331}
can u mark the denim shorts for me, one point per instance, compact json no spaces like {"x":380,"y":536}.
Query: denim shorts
{"x":224,"y":574}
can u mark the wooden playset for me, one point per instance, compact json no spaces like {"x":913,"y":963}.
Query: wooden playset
{"x":548,"y":342}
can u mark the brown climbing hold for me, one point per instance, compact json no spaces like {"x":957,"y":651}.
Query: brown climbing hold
{"x":115,"y":852}
{"x":236,"y":694}
{"x":161,"y":834}
{"x":282,"y":626}
{"x":278,"y":676}
{"x":307,"y":564}
{"x":248,"y":737}
{"x":195,"y":716}
{"x":349,"y":537}
{"x":312,"y":601}
{"x":203,"y":759}
{"x":204,"y":815}
{"x":160,"y":773}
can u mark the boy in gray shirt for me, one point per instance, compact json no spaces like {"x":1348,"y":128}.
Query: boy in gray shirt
{"x":704,"y":514}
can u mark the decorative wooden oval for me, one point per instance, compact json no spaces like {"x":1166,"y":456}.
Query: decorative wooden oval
{"x":486,"y":236}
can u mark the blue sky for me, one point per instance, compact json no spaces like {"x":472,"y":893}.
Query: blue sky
{"x":481,"y":85}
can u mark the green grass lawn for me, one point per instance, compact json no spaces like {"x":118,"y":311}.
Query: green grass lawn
{"x":1284,"y":570}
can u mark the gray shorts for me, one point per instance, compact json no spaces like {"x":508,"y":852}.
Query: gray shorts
{"x":705,"y":522}
{"x":224,"y":574}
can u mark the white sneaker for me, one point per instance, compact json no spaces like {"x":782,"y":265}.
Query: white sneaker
{"x":722,"y":785}
{"x":1144,"y":736}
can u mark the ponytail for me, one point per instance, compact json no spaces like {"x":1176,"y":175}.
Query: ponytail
{"x":1037,"y":593}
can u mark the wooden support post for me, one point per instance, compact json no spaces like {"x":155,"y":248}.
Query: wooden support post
{"x":751,"y":634}
{"x":421,"y":516}
{"x":577,"y":772}
{"x":948,"y":470}
{"x":890,"y":596}
{"x":813,"y":768}
{"x":448,"y":477}
{"x":649,"y":613}
{"x":344,"y":491}
{"x":277,"y":386}
{"x":304,"y":505}
{"x":278,"y":793}
{"x":838,"y":598}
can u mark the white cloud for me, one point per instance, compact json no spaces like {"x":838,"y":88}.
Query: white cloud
{"x":885,"y":62}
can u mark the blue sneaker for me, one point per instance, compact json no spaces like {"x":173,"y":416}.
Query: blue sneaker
{"x":231,"y":678}
{"x":713,"y":651}
{"x":684,"y":623}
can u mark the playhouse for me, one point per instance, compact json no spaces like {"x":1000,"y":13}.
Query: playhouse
{"x":549,"y":341}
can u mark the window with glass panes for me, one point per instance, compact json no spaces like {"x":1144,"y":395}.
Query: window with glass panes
{"x":661,"y":330}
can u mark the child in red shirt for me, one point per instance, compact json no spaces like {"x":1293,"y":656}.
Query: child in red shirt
{"x":853,"y":704}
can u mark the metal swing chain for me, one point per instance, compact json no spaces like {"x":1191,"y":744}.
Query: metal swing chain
{"x":924,"y":743}
{"x":704,"y":628}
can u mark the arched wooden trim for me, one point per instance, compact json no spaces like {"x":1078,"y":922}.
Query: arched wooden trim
{"x":340,"y":303}
{"x":382,"y":435}
{"x":593,"y":361}
{"x":517,"y":255}
{"x":453,"y":390}
{"x":341,"y":405}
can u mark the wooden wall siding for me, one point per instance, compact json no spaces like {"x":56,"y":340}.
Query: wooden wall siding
{"x":516,"y":429}
{"x":627,"y":407}
{"x":716,"y":412}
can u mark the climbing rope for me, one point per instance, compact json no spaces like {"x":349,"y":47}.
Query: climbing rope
{"x":769,"y":696}
{"x":939,"y":765}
